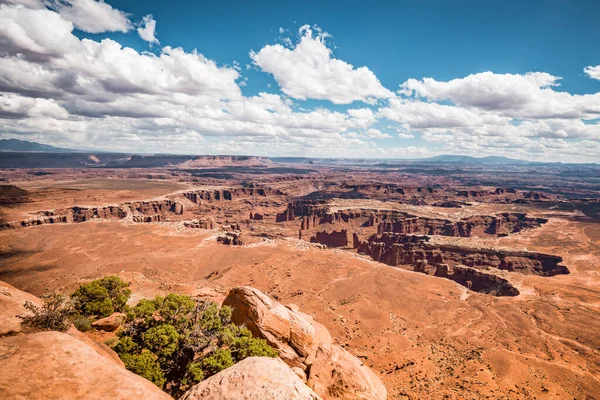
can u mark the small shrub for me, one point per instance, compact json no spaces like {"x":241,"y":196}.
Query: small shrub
{"x":189,"y":340}
{"x":111,"y":342}
{"x":162,"y":340}
{"x":245,"y":347}
{"x":53,"y":315}
{"x":118,"y":291}
{"x":101,"y":297}
{"x":193,"y":375}
{"x":126,"y":345}
{"x":146,"y":365}
{"x":218,"y":360}
{"x":82,"y":323}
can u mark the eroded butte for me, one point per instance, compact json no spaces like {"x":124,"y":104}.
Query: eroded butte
{"x":445,"y":286}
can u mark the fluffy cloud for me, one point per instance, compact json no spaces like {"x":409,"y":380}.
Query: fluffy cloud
{"x":86,"y":91}
{"x":26,"y":32}
{"x":377,"y":134}
{"x":147,"y":30}
{"x":531,"y":95}
{"x":92,"y":16}
{"x":35,"y":4}
{"x":423,"y":115}
{"x":593,"y":72}
{"x":15,"y":106}
{"x":308,"y":71}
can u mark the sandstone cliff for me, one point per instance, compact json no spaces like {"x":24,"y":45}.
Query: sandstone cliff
{"x":306,"y":346}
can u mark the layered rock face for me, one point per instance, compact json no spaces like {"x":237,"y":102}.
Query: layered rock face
{"x":146,"y":208}
{"x":332,"y":239}
{"x":471,"y":278}
{"x":306,"y":346}
{"x":499,"y":225}
{"x":314,"y":213}
{"x":259,"y":378}
{"x":141,"y":211}
{"x":403,"y":249}
{"x":40,"y":220}
{"x":302,"y":208}
{"x":216,"y":195}
{"x":388,"y":188}
{"x":463,"y":265}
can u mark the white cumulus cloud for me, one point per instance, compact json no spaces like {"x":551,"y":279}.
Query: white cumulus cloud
{"x":147,"y":29}
{"x":309,"y":71}
{"x":93,"y":16}
{"x":593,"y":72}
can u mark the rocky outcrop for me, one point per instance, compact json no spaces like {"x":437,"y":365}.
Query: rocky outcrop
{"x":403,"y":249}
{"x":40,"y":220}
{"x":287,"y":215}
{"x":499,"y":225}
{"x":465,"y":265}
{"x":332,"y":239}
{"x":313,"y":214}
{"x":142,"y":211}
{"x":145,"y":208}
{"x":110,"y":323}
{"x":305,"y":344}
{"x":471,"y":278}
{"x":451,"y":204}
{"x":256,"y":216}
{"x":54,"y":365}
{"x":205,"y":223}
{"x":233,"y":238}
{"x":535,"y":196}
{"x":387,"y":189}
{"x":256,"y":378}
{"x":229,"y":194}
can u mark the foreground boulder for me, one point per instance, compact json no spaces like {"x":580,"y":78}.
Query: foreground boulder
{"x":254,"y":378}
{"x":306,"y":345}
{"x":54,"y":365}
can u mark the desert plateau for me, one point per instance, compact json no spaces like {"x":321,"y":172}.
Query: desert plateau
{"x":443,"y":288}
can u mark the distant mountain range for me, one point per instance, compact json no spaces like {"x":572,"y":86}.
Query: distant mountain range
{"x":30,"y":147}
{"x":449,"y":158}
{"x":128,"y":160}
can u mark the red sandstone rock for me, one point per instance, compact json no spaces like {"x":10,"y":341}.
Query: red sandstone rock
{"x":332,"y":239}
{"x":110,"y":323}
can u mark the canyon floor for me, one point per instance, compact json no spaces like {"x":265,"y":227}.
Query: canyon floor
{"x":427,"y":337}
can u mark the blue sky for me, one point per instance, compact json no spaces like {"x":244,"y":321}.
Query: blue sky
{"x":480,"y":100}
{"x":397,"y":40}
